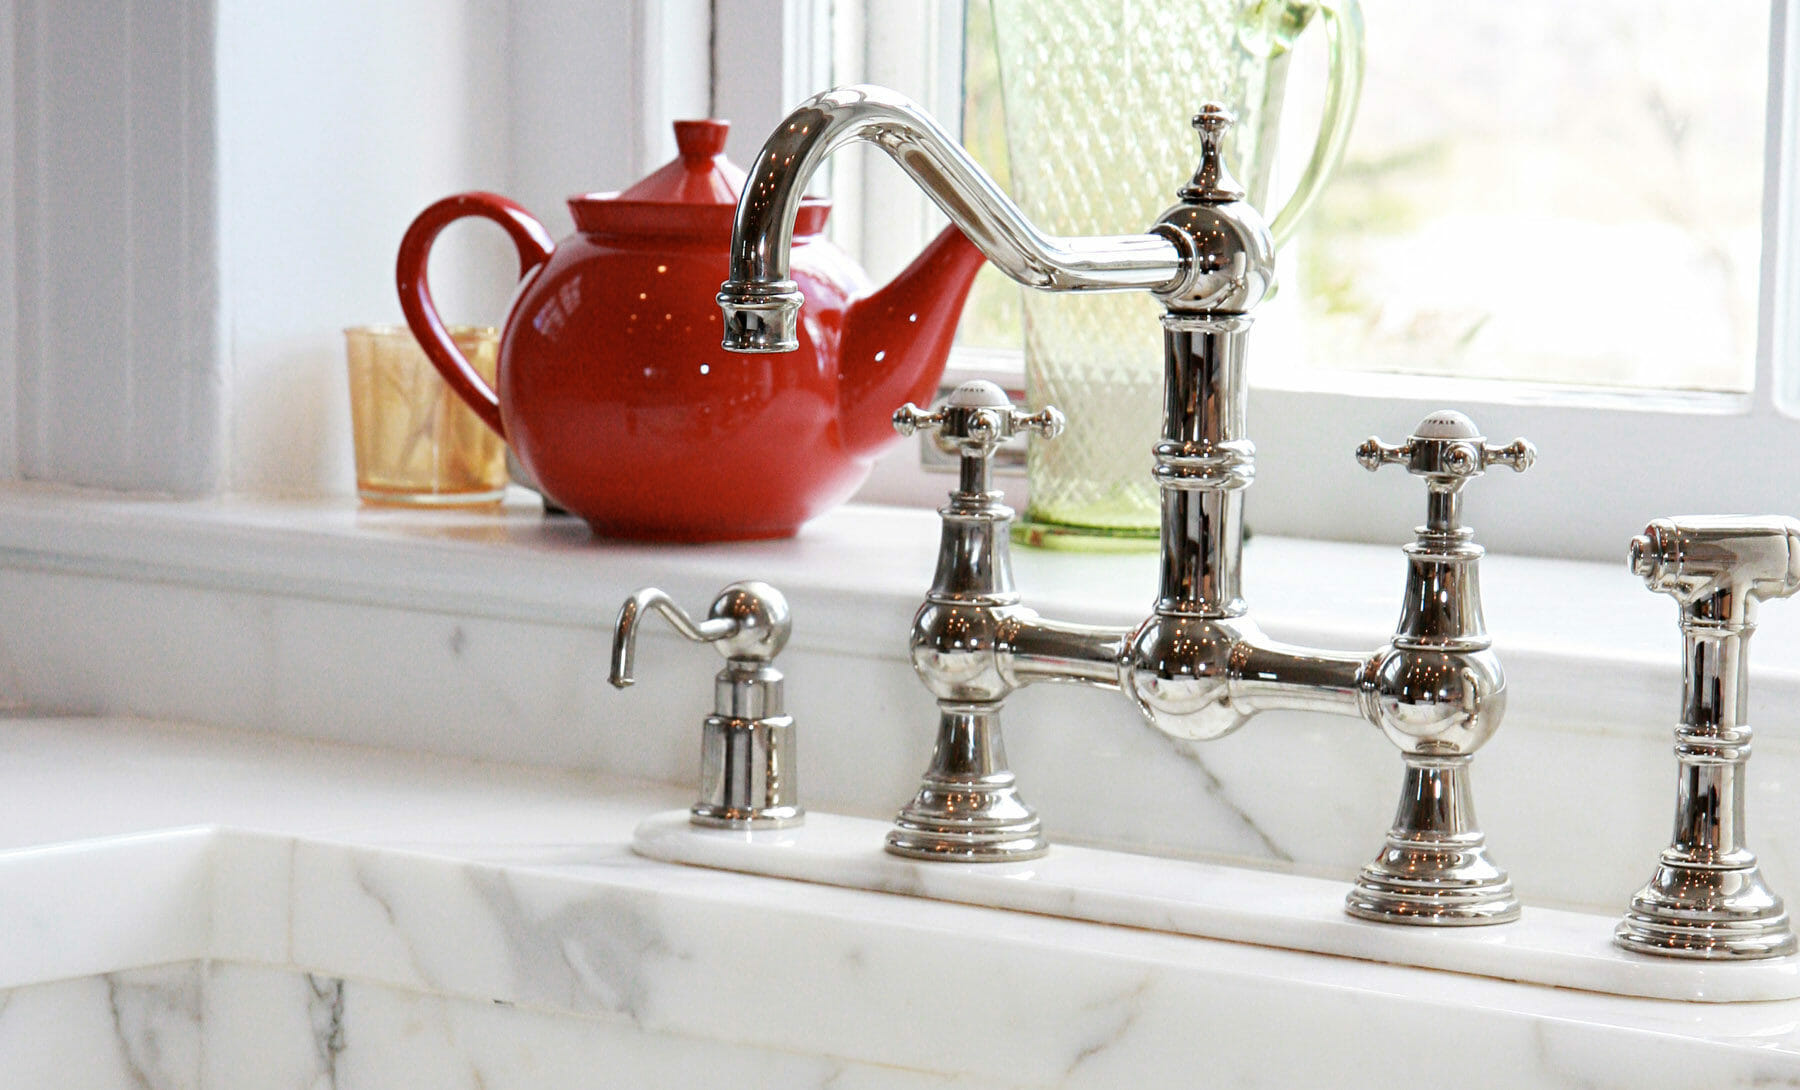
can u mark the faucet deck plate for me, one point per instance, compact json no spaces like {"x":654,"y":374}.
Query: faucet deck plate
{"x":1209,"y":900}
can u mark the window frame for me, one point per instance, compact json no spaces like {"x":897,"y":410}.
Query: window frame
{"x":1609,"y":460}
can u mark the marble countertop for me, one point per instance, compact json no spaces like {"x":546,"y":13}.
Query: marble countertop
{"x":246,"y":910}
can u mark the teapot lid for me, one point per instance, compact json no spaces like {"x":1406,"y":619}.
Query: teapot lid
{"x":694,"y":193}
{"x":699,"y":175}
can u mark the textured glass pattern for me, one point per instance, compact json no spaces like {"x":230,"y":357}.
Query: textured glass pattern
{"x":1098,"y":101}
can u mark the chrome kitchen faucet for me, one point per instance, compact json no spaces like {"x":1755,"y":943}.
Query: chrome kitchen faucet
{"x":1198,"y":668}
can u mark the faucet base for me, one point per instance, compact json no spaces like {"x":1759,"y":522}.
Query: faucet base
{"x":1434,"y":886}
{"x":968,"y":822}
{"x":966,"y":842}
{"x":968,"y":808}
{"x":1434,"y":869}
{"x":1714,"y":913}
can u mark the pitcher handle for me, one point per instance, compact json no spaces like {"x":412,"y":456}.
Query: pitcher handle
{"x":528,"y":237}
{"x":1344,"y":52}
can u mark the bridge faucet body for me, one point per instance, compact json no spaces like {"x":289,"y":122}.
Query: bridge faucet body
{"x":1198,"y":667}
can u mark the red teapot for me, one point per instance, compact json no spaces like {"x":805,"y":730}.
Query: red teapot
{"x":613,"y":389}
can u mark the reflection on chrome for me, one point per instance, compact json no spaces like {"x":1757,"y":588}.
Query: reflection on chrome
{"x":1198,"y":667}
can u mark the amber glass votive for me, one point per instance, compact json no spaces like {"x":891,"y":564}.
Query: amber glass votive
{"x":417,"y":444}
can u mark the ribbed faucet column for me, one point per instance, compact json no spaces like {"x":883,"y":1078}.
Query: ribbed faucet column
{"x":1708,"y":898}
{"x":1713,"y":742}
{"x":1203,"y":465}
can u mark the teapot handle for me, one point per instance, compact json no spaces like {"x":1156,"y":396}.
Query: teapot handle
{"x":528,"y":237}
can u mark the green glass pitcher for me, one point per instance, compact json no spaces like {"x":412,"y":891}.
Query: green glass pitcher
{"x":1097,"y":100}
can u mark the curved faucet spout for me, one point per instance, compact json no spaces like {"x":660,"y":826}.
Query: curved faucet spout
{"x":762,"y":304}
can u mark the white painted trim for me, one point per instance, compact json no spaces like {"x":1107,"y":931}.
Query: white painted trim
{"x":1779,"y":326}
{"x":767,"y":55}
{"x":881,"y":215}
{"x":9,"y":240}
{"x":1603,"y":473}
{"x":160,"y":425}
{"x":672,"y":59}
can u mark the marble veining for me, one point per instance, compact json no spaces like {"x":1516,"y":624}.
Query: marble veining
{"x":354,"y":920}
{"x":157,"y":1020}
{"x":156,"y":1017}
{"x":1220,"y":790}
{"x":1116,"y":1014}
{"x":1546,"y":946}
{"x":325,"y":1013}
{"x":582,"y":955}
{"x":267,"y":1029}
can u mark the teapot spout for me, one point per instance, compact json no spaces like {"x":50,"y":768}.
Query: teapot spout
{"x":896,"y":340}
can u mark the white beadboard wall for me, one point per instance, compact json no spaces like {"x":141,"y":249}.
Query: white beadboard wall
{"x":116,"y":232}
{"x":205,"y":192}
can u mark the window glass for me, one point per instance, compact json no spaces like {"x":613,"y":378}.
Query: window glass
{"x":1534,"y":190}
{"x":991,"y":318}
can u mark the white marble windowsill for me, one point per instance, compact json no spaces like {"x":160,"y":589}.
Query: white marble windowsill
{"x":485,"y":635}
{"x":1560,"y":622}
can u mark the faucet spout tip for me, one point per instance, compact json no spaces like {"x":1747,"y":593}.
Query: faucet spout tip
{"x":761,"y":317}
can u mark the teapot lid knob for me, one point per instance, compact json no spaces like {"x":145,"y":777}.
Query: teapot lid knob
{"x":1213,"y":183}
{"x":700,"y":175}
{"x":701,"y":140}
